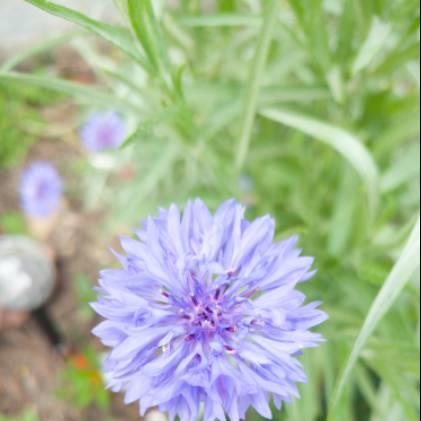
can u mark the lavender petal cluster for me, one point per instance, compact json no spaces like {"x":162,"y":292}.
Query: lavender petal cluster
{"x":103,"y":131}
{"x":204,"y":316}
{"x":41,"y":189}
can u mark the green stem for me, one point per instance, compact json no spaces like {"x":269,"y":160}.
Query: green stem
{"x":255,"y":78}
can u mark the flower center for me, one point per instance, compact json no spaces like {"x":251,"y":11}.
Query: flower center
{"x":204,"y":316}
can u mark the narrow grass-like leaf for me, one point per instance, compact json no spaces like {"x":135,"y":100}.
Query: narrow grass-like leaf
{"x":146,"y":127}
{"x":407,"y":264}
{"x":341,"y":225}
{"x":227,"y":5}
{"x":149,"y":183}
{"x":255,"y":76}
{"x":406,"y":168}
{"x":148,"y":32}
{"x":272,"y":95}
{"x":348,"y":145}
{"x":222,"y":117}
{"x":220,"y":20}
{"x":79,"y":92}
{"x":140,"y":133}
{"x":118,"y":36}
{"x":373,"y":44}
{"x":122,"y":6}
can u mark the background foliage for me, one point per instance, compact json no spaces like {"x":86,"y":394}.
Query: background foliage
{"x":306,"y":109}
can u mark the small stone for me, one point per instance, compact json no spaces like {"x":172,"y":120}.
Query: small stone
{"x":26,"y":274}
{"x":155,"y":415}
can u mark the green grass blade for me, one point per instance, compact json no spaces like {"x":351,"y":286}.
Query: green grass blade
{"x":404,"y":268}
{"x":122,"y":6}
{"x":405,"y":169}
{"x":80,"y":93}
{"x":150,"y":182}
{"x":373,"y":45}
{"x":220,"y":20}
{"x":341,"y":225}
{"x":146,"y":127}
{"x":271,"y":14}
{"x":272,"y":95}
{"x":345,"y":143}
{"x":118,"y":36}
{"x":148,"y":32}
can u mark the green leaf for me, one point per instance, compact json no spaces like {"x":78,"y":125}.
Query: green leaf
{"x":273,"y":95}
{"x":227,"y":5}
{"x":146,"y":127}
{"x":118,"y":36}
{"x":148,"y":32}
{"x":122,"y":6}
{"x":373,"y":45}
{"x":28,"y":415}
{"x":82,"y":93}
{"x":348,"y":145}
{"x":341,"y":224}
{"x":85,"y":295}
{"x":142,"y":132}
{"x":149,"y":183}
{"x":255,"y":78}
{"x":405,"y":169}
{"x":221,"y":20}
{"x":102,"y":399}
{"x":13,"y":223}
{"x":407,"y":264}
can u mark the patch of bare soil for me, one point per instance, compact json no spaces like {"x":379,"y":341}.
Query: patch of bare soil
{"x":29,"y":365}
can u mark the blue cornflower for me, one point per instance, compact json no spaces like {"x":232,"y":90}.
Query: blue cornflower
{"x":205,"y":314}
{"x":40,"y":189}
{"x":103,"y":131}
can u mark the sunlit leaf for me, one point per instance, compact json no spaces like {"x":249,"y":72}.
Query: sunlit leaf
{"x":119,"y":36}
{"x":344,"y":142}
{"x":374,"y":44}
{"x":146,"y":28}
{"x":82,"y":93}
{"x":255,"y":79}
{"x":404,"y":268}
{"x":221,"y":20}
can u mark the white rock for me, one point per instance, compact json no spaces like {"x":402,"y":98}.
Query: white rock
{"x":155,"y":415}
{"x":26,"y":273}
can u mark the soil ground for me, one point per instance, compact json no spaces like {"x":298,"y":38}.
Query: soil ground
{"x":29,"y":366}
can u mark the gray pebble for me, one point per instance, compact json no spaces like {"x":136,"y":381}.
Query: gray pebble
{"x":26,"y":274}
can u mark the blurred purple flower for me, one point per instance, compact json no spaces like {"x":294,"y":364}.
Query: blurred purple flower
{"x":40,"y":189}
{"x":103,"y":131}
{"x":205,"y":310}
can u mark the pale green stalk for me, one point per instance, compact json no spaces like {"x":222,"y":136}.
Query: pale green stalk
{"x":255,"y":79}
